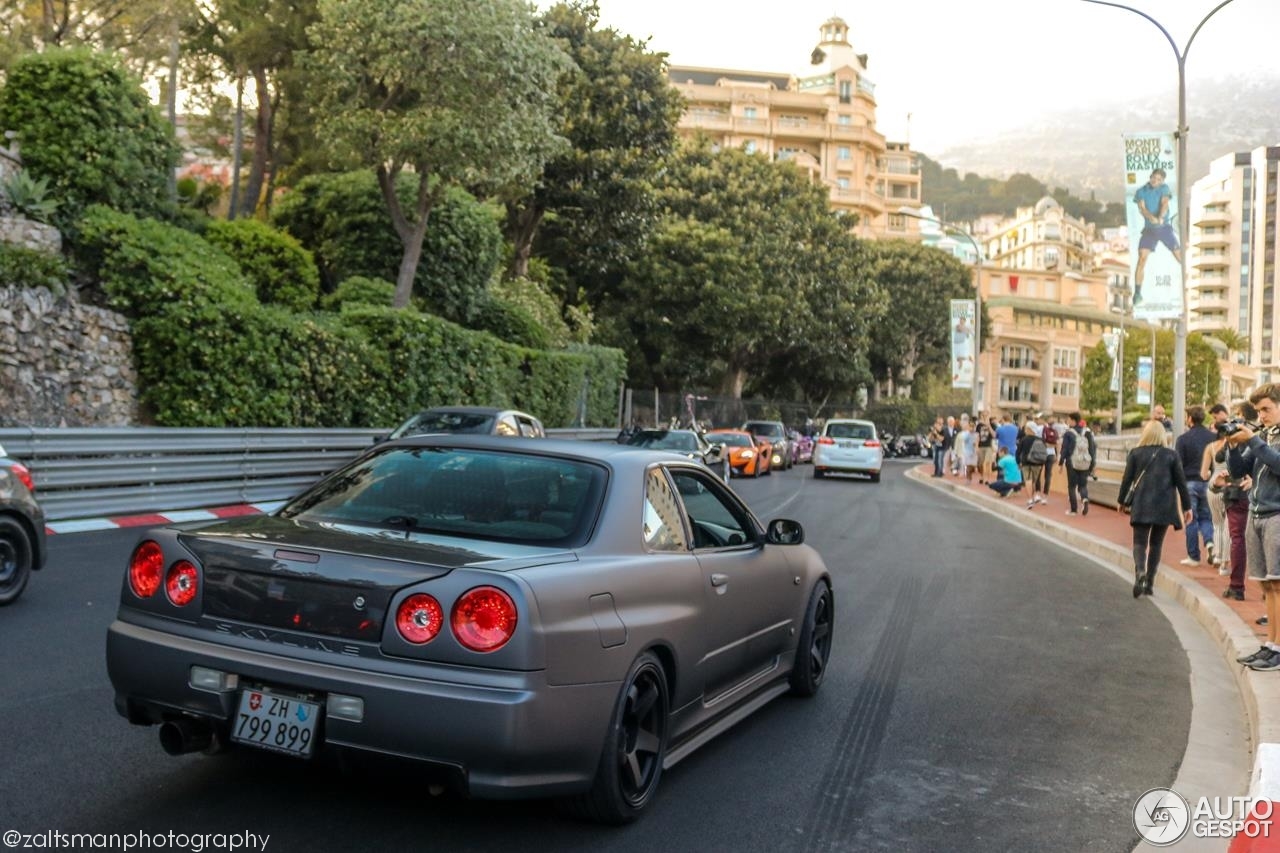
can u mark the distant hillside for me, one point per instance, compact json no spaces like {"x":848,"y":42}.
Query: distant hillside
{"x":958,"y":198}
{"x":1080,"y":149}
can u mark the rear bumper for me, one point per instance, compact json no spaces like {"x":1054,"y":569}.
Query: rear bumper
{"x":513,"y":736}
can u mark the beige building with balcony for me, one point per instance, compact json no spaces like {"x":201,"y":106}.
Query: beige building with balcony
{"x":824,"y":122}
{"x":1231,"y":260}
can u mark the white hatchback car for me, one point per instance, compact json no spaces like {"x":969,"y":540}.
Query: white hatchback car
{"x":848,"y":446}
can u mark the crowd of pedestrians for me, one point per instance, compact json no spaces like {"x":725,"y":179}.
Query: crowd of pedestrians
{"x":1218,"y":482}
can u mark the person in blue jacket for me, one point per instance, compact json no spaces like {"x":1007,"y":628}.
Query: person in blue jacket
{"x":1259,"y":456}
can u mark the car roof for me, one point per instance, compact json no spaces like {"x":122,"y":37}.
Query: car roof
{"x":850,"y":421}
{"x":729,"y":431}
{"x":474,"y":410}
{"x":587,"y":451}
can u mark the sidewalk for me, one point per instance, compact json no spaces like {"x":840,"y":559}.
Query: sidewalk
{"x":1109,"y":525}
{"x":1105,"y":534}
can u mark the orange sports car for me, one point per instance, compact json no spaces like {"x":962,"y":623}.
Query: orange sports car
{"x":749,"y":456}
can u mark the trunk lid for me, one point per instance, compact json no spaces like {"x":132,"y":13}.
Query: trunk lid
{"x":333,"y":580}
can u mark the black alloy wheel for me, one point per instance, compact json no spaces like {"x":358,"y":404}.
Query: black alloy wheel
{"x":634,"y":749}
{"x":16,"y":559}
{"x":814,"y":649}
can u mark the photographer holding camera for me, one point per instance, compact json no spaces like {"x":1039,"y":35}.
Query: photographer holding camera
{"x":1231,"y":495}
{"x":1260,"y":451}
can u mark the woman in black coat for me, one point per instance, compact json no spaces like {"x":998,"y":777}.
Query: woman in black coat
{"x":1153,"y":484}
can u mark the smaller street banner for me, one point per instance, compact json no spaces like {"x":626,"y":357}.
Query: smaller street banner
{"x":963,"y":313}
{"x":1144,"y":380}
{"x":1112,"y":342}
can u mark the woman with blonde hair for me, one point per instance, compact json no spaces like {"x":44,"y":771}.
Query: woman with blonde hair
{"x":1152,"y":485}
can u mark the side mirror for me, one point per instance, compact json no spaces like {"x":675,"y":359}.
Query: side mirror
{"x":716,"y":451}
{"x":378,"y":439}
{"x":784,"y":531}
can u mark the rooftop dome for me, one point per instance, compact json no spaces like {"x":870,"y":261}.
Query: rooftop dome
{"x":1047,"y":203}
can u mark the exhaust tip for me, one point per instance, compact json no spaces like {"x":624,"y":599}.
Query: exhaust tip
{"x":178,"y":737}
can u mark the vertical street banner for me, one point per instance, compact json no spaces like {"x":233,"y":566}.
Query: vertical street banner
{"x":1154,"y":215}
{"x":1112,"y":342}
{"x":1144,"y":381}
{"x":963,"y":314}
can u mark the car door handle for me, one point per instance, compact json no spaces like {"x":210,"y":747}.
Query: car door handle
{"x":718,"y":579}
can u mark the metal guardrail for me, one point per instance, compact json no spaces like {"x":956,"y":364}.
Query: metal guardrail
{"x":96,"y":472}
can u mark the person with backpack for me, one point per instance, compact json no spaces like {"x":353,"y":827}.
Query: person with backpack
{"x":1050,"y":435}
{"x":1079,"y":457}
{"x":1031,"y":456}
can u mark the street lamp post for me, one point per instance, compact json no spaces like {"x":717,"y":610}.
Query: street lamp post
{"x":1184,"y":221}
{"x":977,"y":298}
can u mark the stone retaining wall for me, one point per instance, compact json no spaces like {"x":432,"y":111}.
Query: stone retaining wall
{"x":63,"y":363}
{"x":30,"y":234}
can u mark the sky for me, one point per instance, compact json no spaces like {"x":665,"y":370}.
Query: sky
{"x":963,"y":68}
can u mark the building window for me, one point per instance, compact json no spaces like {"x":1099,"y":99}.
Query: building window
{"x":1015,"y":357}
{"x":1062,"y":388}
{"x":843,"y":153}
{"x":748,"y":112}
{"x":846,"y":91}
{"x":1066,"y":357}
{"x":842,"y":183}
{"x":749,"y":146}
{"x":897,"y":222}
{"x":844,"y":120}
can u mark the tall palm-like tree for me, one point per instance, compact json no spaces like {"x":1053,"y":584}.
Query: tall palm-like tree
{"x":1233,"y":341}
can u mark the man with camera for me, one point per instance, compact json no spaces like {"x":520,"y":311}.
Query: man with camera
{"x":1259,"y":444}
{"x":1231,"y":494}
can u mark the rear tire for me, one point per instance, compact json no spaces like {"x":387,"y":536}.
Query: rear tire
{"x":818,"y":473}
{"x":634,"y":748}
{"x":16,"y":560}
{"x":875,"y":476}
{"x":814,"y":651}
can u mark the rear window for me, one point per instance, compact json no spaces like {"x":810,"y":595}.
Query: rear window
{"x":758,"y":428}
{"x":505,"y":497}
{"x":682,"y":441}
{"x":732,"y":439}
{"x":451,"y":422}
{"x":860,"y":431}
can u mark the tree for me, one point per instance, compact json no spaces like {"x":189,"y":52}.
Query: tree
{"x":460,"y":92}
{"x":619,"y":114}
{"x":1233,"y":341}
{"x":343,"y":220}
{"x":88,"y":128}
{"x":139,"y":32}
{"x":1204,"y":376}
{"x":919,"y":283}
{"x":739,"y":272}
{"x":255,"y":40}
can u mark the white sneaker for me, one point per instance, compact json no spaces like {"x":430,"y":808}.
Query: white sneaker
{"x":1071,"y":512}
{"x":1187,"y":561}
{"x":1224,"y":570}
{"x":1041,"y":500}
{"x":1031,"y":504}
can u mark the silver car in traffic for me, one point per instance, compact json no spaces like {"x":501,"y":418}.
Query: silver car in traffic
{"x":545,"y":618}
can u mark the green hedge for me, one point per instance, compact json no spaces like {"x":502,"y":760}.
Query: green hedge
{"x":144,"y":264}
{"x":33,"y":268}
{"x":251,"y":365}
{"x":282,"y":272}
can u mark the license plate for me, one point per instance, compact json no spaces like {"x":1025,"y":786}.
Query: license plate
{"x":847,"y":443}
{"x":276,"y":721}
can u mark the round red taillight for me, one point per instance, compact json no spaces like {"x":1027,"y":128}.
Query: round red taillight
{"x":484,"y":619}
{"x":146,"y":568}
{"x":181,"y":583}
{"x":418,"y":618}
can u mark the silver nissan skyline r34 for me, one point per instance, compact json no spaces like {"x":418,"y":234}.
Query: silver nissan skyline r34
{"x":525,"y":618}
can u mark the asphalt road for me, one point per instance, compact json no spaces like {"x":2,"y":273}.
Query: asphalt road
{"x":988,"y":691}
